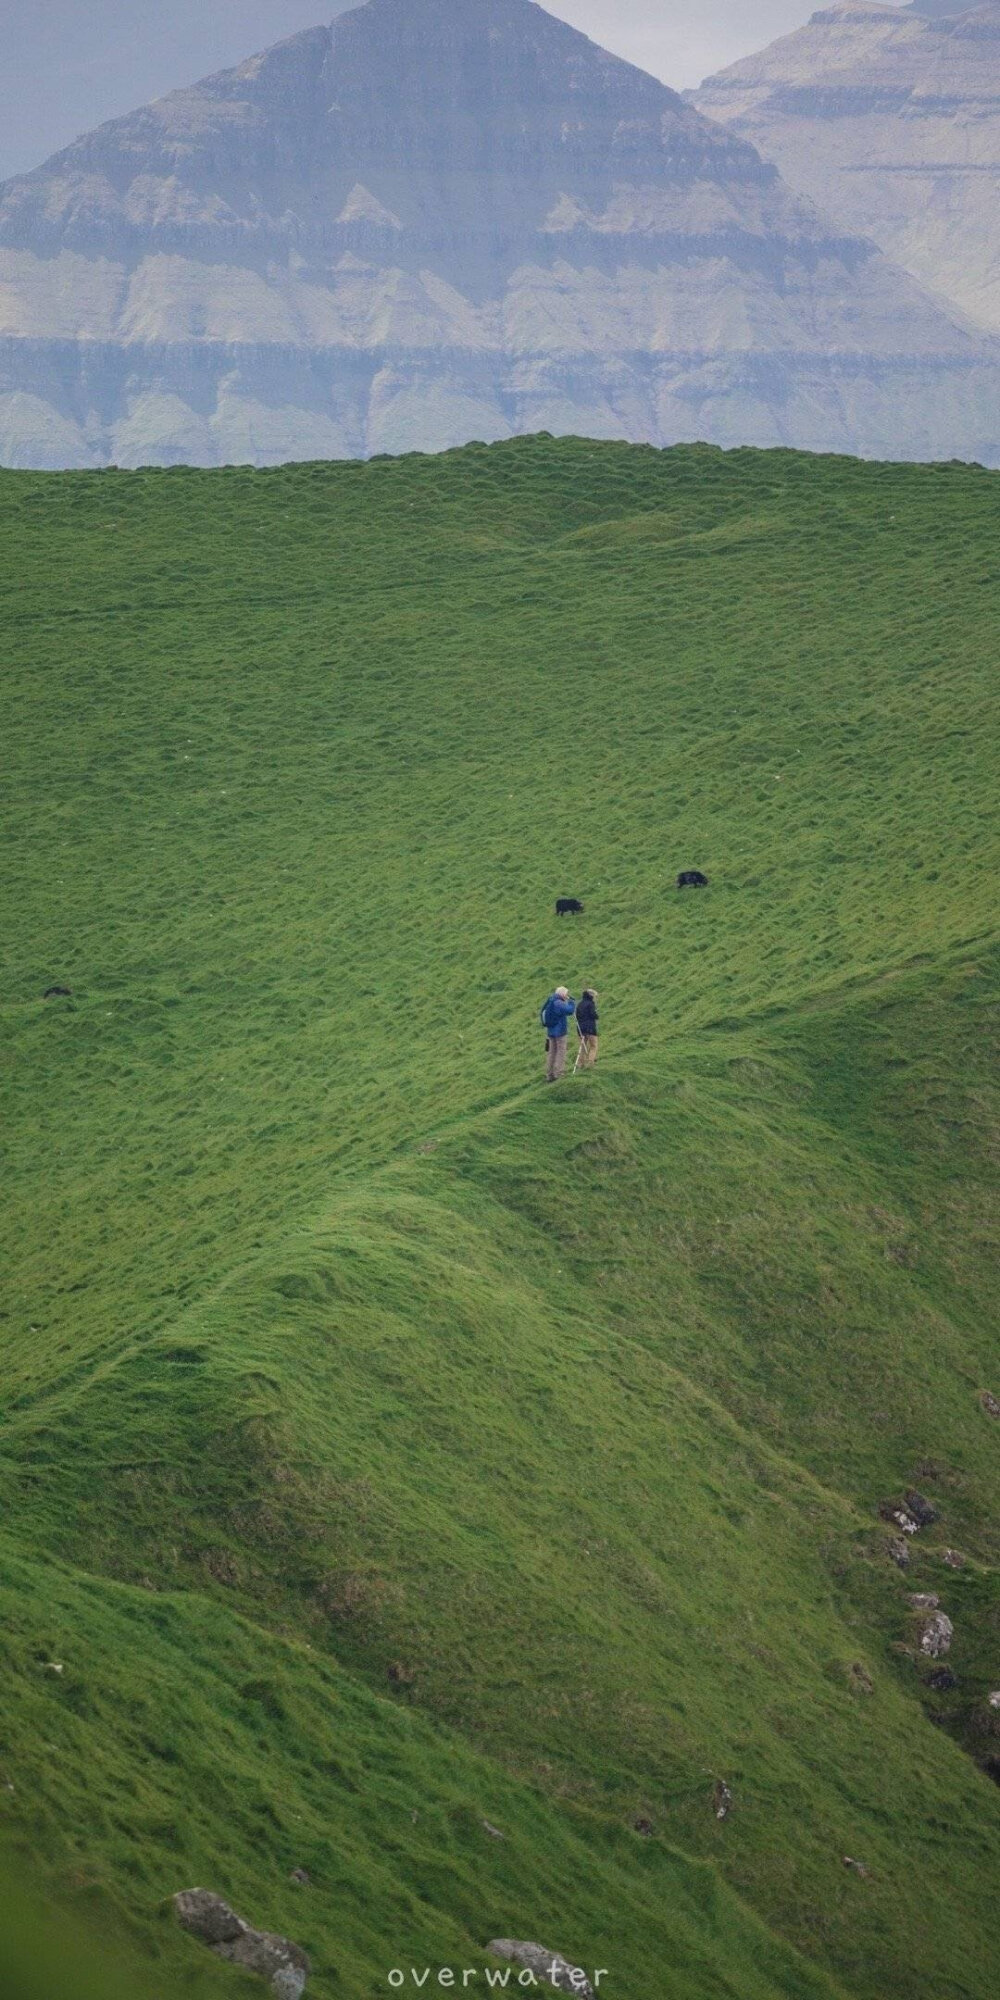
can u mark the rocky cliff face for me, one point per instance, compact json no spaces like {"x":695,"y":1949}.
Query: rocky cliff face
{"x":891,"y":118}
{"x":439,"y":220}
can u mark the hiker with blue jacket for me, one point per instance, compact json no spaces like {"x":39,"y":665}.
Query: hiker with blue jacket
{"x":556,"y":1015}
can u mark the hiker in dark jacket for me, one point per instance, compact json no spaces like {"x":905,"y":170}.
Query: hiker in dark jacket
{"x":586,"y":1027}
{"x":556,"y":1015}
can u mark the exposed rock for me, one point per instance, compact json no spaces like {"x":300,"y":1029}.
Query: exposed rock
{"x":990,"y":1403}
{"x":899,"y":1550}
{"x":995,"y":1699}
{"x":209,"y":1918}
{"x":891,"y":122}
{"x":942,"y":1680}
{"x":493,"y":1831}
{"x":438,"y":220}
{"x":936,"y":1635}
{"x":900,"y":1516}
{"x":924,"y":1600}
{"x":282,"y":1964}
{"x":301,"y":1876}
{"x":722,"y":1799}
{"x":549,"y":1966}
{"x":859,"y":1867}
{"x":953,"y":1558}
{"x":922,"y":1510}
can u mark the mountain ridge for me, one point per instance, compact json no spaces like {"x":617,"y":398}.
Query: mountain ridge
{"x":443,"y":219}
{"x":893,"y":117}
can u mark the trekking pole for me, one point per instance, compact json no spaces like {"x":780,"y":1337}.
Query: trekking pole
{"x":581,"y":1051}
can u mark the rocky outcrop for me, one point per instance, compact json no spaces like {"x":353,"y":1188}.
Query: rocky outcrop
{"x":891,"y":118}
{"x":935,"y":1629}
{"x":921,"y":1510}
{"x":549,"y":1968}
{"x":942,"y":1680}
{"x":208,"y":1918}
{"x":438,"y":220}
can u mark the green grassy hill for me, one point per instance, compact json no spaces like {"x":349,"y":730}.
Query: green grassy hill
{"x":393,"y":1449}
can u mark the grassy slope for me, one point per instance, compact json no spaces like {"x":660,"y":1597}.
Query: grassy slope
{"x":339,"y":1349}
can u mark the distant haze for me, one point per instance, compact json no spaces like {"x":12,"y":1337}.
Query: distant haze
{"x":66,"y":66}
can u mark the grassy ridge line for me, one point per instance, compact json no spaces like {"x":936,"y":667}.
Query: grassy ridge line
{"x":766,"y":1085}
{"x":497,"y":1104}
{"x":452,"y":1433}
{"x":260,"y":825}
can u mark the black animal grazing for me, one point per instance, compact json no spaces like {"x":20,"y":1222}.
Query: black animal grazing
{"x":568,"y":906}
{"x":692,"y":878}
{"x":57,"y":993}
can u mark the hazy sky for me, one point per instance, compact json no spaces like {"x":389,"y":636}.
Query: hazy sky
{"x":66,"y":65}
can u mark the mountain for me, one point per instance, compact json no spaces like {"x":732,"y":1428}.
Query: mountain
{"x":891,"y":118}
{"x":437,"y":220}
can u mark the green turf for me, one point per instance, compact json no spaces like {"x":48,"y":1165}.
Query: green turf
{"x":389,"y":1443}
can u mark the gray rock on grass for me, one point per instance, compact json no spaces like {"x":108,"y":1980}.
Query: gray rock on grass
{"x":207,"y":1917}
{"x":899,"y":1516}
{"x":276,"y":1959}
{"x":936,"y":1634}
{"x":548,"y":1966}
